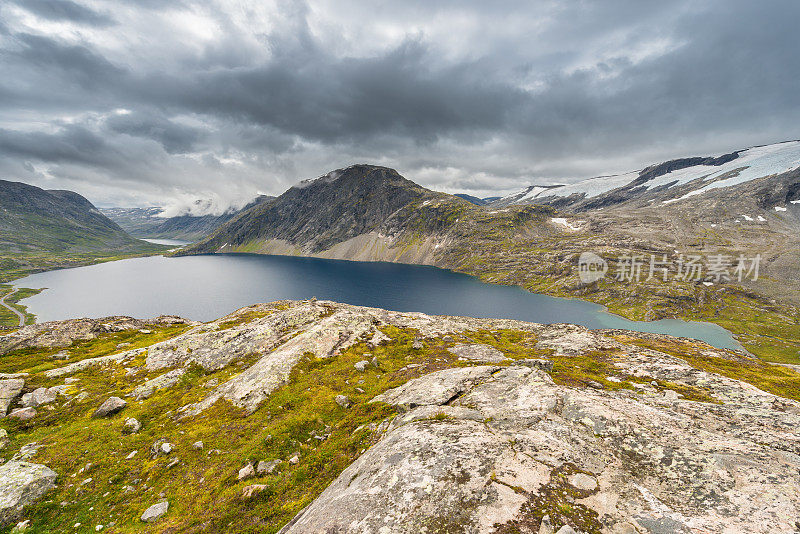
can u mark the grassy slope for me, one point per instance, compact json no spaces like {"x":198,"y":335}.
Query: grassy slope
{"x":100,"y":484}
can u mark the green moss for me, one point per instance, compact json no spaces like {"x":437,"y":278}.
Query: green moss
{"x":37,"y":360}
{"x":300,"y":418}
{"x":556,"y":499}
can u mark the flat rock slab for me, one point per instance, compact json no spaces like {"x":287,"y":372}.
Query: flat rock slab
{"x":21,"y":484}
{"x":436,"y":388}
{"x":478,"y":352}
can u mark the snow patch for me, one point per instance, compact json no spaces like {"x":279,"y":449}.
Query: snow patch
{"x":779,"y":208}
{"x":563,"y":222}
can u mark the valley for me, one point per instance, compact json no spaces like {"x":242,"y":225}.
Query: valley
{"x":43,"y":230}
{"x":374,"y":214}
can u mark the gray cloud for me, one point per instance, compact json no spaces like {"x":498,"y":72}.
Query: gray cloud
{"x":175,"y":138}
{"x":65,"y":10}
{"x":458,"y":96}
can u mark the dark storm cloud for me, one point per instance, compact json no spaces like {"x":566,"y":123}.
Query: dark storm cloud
{"x":324,"y":99}
{"x":457,"y":94}
{"x":72,"y":144}
{"x":65,"y":10}
{"x":175,"y":138}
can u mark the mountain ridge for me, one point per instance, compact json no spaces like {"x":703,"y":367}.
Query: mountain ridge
{"x":41,"y":229}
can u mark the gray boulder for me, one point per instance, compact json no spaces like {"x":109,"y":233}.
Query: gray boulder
{"x":131,"y":426}
{"x":343,"y":401}
{"x":21,"y":484}
{"x":9,"y":390}
{"x":38,"y":397}
{"x":111,"y":406}
{"x":267,"y":468}
{"x":246,"y":472}
{"x":23,"y":414}
{"x":155,"y":512}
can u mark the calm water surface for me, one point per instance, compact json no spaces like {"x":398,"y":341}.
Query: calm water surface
{"x":207,"y":287}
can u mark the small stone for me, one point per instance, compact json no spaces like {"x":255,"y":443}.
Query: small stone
{"x":361,"y":366}
{"x":198,"y":445}
{"x":22,"y":526}
{"x":131,"y":455}
{"x":671,"y":395}
{"x":375,"y":361}
{"x":594,"y":384}
{"x":246,"y":472}
{"x":131,"y":426}
{"x":166,"y":448}
{"x":583,"y":482}
{"x":267,"y":468}
{"x":566,"y":529}
{"x":98,"y":528}
{"x":294,"y":460}
{"x":417,"y":344}
{"x":145,"y":331}
{"x":23,"y":414}
{"x":155,"y":512}
{"x":249,"y":491}
{"x":546,"y":526}
{"x":343,"y":401}
{"x":111,"y":406}
{"x":3,"y":438}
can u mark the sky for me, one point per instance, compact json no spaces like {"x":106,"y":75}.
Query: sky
{"x":163,"y":102}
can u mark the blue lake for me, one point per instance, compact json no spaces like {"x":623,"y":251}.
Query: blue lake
{"x":209,"y":286}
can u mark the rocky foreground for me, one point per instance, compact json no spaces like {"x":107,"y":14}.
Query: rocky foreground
{"x":318,"y":417}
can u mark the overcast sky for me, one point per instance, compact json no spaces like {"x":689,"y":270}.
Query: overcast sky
{"x":159,"y":102}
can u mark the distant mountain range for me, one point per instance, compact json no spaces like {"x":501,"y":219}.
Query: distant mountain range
{"x":670,"y":182}
{"x":42,"y":229}
{"x":150,"y":222}
{"x":475,"y":200}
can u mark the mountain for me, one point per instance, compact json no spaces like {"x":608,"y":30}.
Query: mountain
{"x":360,"y":212}
{"x":670,"y":182}
{"x":371,"y":213}
{"x":42,"y":229}
{"x":312,"y":416}
{"x":150,"y":222}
